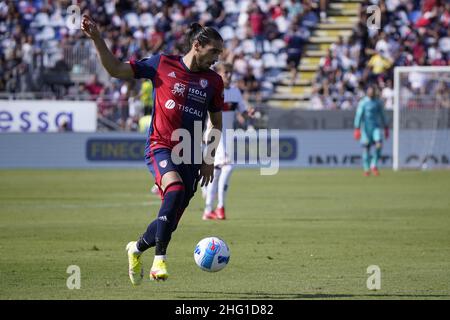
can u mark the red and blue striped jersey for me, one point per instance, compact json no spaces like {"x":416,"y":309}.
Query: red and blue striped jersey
{"x":180,"y":97}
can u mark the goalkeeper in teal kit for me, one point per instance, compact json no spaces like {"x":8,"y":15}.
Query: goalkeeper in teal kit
{"x":370,"y":123}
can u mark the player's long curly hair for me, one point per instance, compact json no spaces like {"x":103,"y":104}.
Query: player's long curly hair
{"x":204,"y":35}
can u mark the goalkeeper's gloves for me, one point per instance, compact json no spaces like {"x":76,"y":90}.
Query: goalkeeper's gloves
{"x":386,"y":132}
{"x":357,"y":133}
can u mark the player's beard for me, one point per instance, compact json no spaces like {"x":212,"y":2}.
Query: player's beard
{"x":205,"y":64}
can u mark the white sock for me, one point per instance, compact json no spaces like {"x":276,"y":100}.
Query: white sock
{"x":211,"y":191}
{"x":204,"y":192}
{"x":223,"y":185}
{"x":134,"y":248}
{"x":158,"y":258}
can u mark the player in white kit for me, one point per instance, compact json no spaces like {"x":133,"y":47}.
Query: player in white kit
{"x":234,"y":107}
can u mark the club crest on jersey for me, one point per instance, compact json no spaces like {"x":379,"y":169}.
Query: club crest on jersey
{"x":178,"y":89}
{"x":203,"y":83}
{"x":163,"y":163}
{"x":172,"y":75}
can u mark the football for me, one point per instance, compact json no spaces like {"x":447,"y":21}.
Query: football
{"x":212,"y":254}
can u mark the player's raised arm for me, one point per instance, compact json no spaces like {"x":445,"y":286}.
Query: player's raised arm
{"x":113,"y":66}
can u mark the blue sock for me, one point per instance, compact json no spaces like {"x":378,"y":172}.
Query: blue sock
{"x":159,"y":232}
{"x":376,"y":157}
{"x":366,"y":159}
{"x":148,"y":238}
{"x":167,"y":216}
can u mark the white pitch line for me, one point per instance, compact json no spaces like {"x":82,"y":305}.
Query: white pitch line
{"x":90,"y":205}
{"x":110,"y":205}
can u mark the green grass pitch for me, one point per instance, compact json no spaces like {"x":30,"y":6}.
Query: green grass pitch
{"x":299,"y":234}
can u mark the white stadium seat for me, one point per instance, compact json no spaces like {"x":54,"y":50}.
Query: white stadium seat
{"x":146,"y":20}
{"x":248,"y":46}
{"x":227,"y":33}
{"x":230,"y":6}
{"x":270,"y":61}
{"x":277,"y":45}
{"x":132,"y":19}
{"x":267,"y":46}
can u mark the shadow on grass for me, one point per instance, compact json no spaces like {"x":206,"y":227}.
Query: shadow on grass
{"x":290,"y":296}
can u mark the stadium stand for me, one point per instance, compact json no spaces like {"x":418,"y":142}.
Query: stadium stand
{"x":411,"y":33}
{"x":287,"y":54}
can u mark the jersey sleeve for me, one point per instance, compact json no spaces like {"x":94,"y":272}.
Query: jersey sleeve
{"x":216,"y":104}
{"x":145,"y":68}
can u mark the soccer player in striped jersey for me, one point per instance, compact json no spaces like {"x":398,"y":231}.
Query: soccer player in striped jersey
{"x":185,"y":91}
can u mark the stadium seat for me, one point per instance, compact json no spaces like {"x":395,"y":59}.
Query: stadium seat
{"x":146,"y":20}
{"x":132,"y":20}
{"x":57,"y":20}
{"x":270,"y":61}
{"x":240,"y":33}
{"x":267,"y":46}
{"x":248,"y":46}
{"x":231,"y":7}
{"x":41,"y":20}
{"x":227,"y":33}
{"x":47,"y":33}
{"x":201,"y":5}
{"x":281,"y":60}
{"x":277,"y":45}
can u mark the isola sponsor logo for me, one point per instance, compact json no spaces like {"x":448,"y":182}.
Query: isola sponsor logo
{"x":191,"y":110}
{"x":197,"y":95}
{"x":197,"y":92}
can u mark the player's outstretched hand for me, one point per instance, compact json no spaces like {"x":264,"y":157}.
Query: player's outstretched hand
{"x":89,"y":27}
{"x":357,"y":134}
{"x":206,"y":174}
{"x":386,"y":133}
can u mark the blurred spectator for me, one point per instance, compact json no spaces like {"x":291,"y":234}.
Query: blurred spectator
{"x":65,"y":127}
{"x":257,"y":64}
{"x":146,"y":95}
{"x":240,"y":66}
{"x":316,"y":100}
{"x":412,"y":33}
{"x":256,"y":20}
{"x":308,"y":17}
{"x":144,"y":123}
{"x":217,"y":12}
{"x":94,"y":87}
{"x":294,"y":8}
{"x":38,"y":53}
{"x":387,"y":94}
{"x":35,"y":44}
{"x":294,"y":45}
{"x":443,"y":94}
{"x":251,"y":86}
{"x":378,"y":65}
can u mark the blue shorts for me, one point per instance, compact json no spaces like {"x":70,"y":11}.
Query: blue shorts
{"x":371,"y":136}
{"x":159,"y":162}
